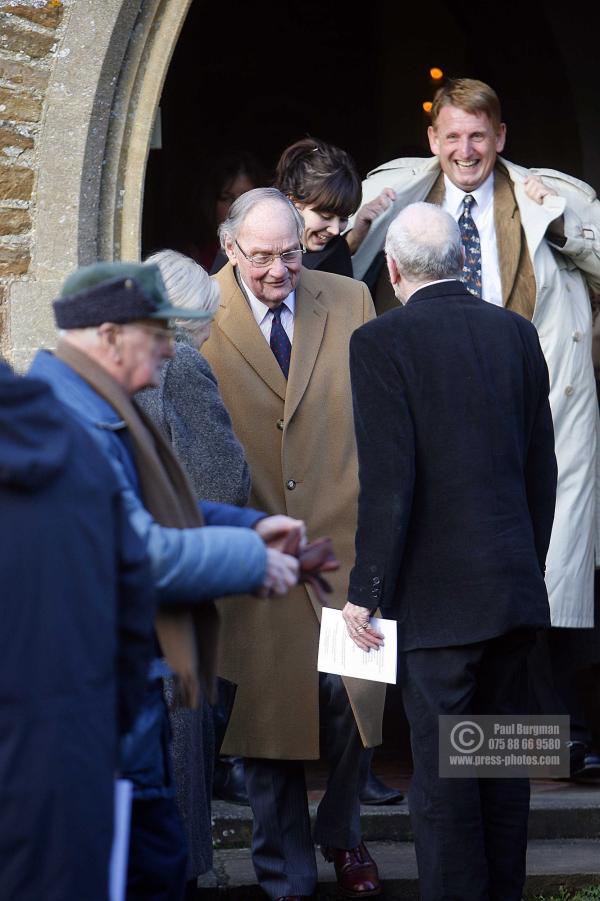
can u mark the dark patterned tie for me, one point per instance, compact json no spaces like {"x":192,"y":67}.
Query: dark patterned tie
{"x":471,"y":274}
{"x":279,"y":341}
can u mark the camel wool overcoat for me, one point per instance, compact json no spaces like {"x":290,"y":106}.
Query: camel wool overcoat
{"x":299,"y":442}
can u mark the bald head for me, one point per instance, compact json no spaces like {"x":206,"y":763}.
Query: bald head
{"x":423,"y":244}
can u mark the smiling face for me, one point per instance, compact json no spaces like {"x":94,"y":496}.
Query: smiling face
{"x":319,"y":226}
{"x":467,"y":145}
{"x":269,"y":228}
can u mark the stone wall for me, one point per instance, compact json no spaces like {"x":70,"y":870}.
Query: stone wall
{"x":29,"y":37}
{"x":80,"y":82}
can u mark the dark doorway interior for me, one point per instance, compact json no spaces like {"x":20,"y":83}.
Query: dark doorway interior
{"x":256,"y":77}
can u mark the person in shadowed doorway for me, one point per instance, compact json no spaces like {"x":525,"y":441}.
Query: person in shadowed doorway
{"x":224,"y":179}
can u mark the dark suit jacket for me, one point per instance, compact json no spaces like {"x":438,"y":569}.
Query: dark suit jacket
{"x":457,"y":469}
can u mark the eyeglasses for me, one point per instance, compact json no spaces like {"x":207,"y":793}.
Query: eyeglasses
{"x":288,"y":257}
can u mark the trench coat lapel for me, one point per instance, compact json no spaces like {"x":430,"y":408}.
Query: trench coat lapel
{"x":309,"y":325}
{"x":235,"y":320}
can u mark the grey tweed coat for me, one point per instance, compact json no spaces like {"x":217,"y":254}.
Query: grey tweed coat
{"x":190,"y":412}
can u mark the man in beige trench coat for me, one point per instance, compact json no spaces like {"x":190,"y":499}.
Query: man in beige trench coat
{"x":294,"y":418}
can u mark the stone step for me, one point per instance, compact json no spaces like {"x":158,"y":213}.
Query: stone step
{"x":550,"y":865}
{"x":560,"y":811}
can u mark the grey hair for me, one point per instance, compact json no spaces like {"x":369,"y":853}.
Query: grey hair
{"x":424,"y":242}
{"x":86,"y":337}
{"x":246,"y":202}
{"x":187,"y":284}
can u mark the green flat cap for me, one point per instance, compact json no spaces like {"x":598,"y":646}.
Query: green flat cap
{"x":116,"y":292}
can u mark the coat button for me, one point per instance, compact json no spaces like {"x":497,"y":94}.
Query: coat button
{"x":576,"y":336}
{"x":290,"y":484}
{"x":569,"y":390}
{"x":280,"y":424}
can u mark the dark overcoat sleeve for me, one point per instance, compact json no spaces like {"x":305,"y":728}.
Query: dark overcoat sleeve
{"x":540,"y":464}
{"x":386,"y":460}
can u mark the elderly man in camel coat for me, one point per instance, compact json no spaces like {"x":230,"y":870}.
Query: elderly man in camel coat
{"x":291,"y":408}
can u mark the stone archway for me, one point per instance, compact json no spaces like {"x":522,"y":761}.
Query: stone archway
{"x":90,"y":154}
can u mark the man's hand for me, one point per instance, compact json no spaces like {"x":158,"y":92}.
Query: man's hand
{"x":536,"y":190}
{"x":359,"y":627}
{"x":275,"y":529}
{"x":366,"y":216}
{"x":281,"y":574}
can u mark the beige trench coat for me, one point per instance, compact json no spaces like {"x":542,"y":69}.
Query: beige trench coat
{"x":562,"y":315}
{"x":299,"y":442}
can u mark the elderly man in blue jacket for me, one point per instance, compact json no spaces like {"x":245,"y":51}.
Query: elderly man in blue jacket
{"x":115,"y":336}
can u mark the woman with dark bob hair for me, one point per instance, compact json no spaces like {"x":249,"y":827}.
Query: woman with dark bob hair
{"x":323,"y":183}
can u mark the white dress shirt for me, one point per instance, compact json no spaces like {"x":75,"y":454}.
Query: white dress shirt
{"x":482,"y":212}
{"x":264,"y":316}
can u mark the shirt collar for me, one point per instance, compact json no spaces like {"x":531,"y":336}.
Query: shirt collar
{"x":437,"y":281}
{"x":260,"y":309}
{"x":484,"y":195}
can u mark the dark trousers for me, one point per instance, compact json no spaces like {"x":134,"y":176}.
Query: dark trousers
{"x":282,"y":846}
{"x":564,"y":676}
{"x":470,"y":834}
{"x":553,"y":681}
{"x":157,"y":852}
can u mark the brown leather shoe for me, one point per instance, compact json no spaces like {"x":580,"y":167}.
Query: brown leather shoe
{"x":356,"y":871}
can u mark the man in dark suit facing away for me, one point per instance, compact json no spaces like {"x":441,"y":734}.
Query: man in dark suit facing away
{"x":457,"y":490}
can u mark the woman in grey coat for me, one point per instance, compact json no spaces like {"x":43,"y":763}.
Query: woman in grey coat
{"x":188,"y":408}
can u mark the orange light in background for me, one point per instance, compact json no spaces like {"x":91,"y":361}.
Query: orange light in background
{"x":427,"y":104}
{"x":436,"y":73}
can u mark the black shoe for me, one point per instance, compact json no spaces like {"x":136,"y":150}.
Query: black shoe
{"x":375,"y":791}
{"x":577,"y":751}
{"x":229,"y":783}
{"x":589,"y":771}
{"x":191,"y":890}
